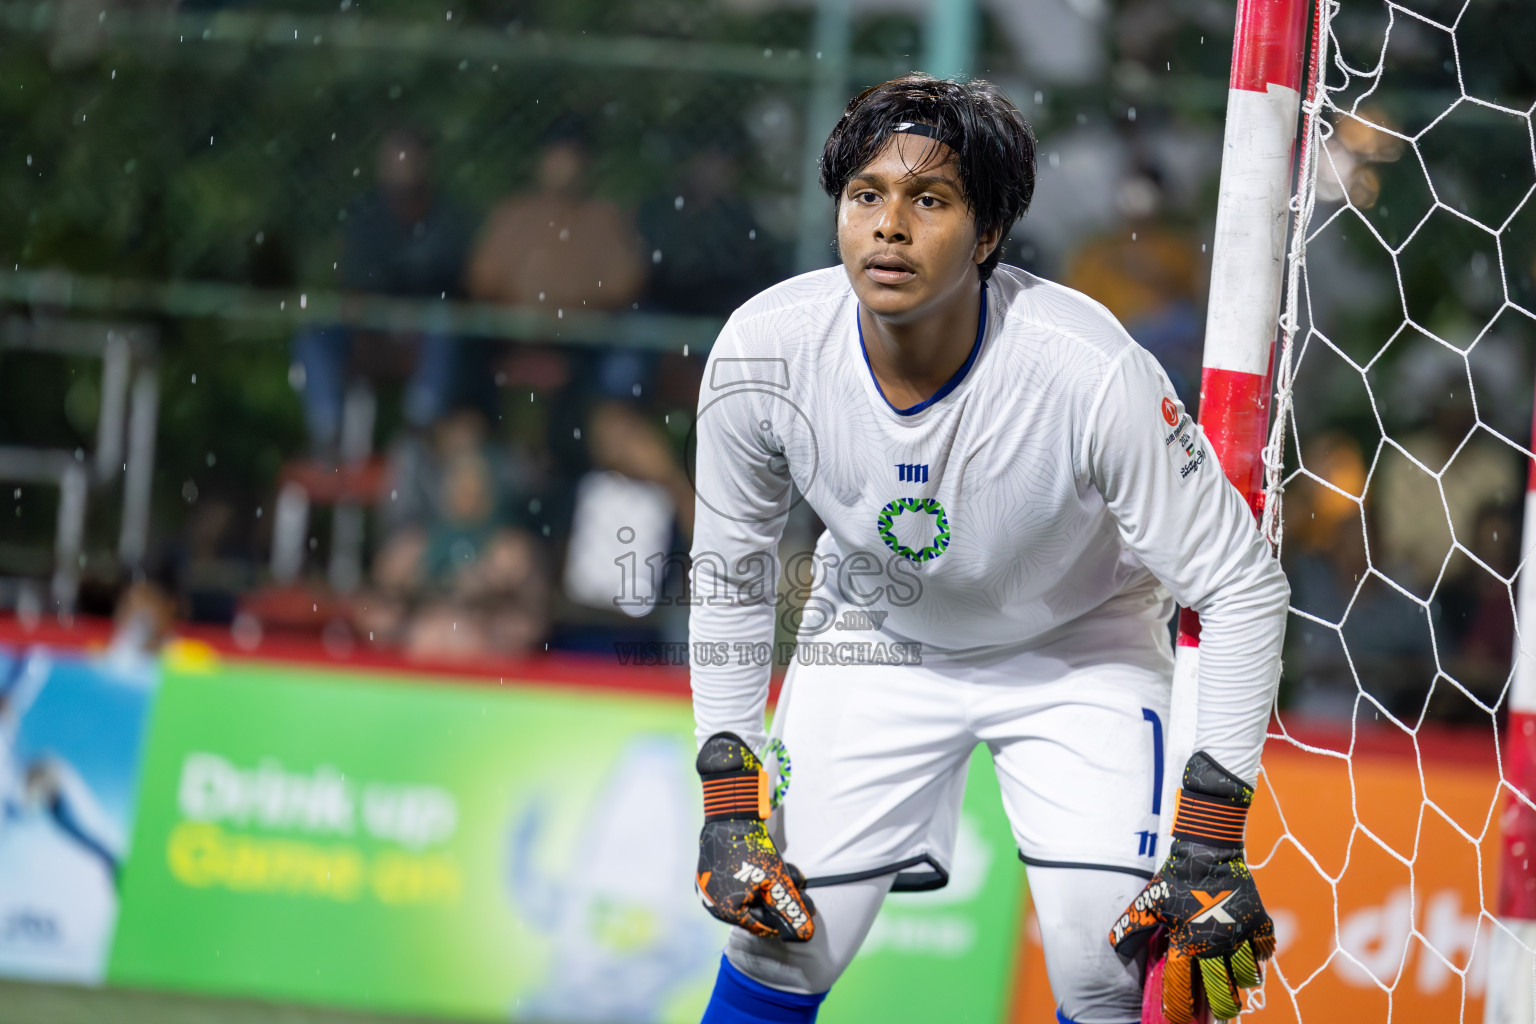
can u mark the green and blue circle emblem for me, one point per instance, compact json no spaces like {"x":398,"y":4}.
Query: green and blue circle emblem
{"x":934,"y":548}
{"x":780,"y":753}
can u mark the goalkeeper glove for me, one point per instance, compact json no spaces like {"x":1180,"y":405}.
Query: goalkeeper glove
{"x":1205,"y":896}
{"x":741,"y":878}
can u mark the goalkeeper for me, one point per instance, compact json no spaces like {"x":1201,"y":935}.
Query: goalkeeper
{"x":1014,"y":499}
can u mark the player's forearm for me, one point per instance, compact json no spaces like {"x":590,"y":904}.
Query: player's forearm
{"x":730,"y":630}
{"x":729,"y":698}
{"x":1242,"y":631}
{"x":730,"y":688}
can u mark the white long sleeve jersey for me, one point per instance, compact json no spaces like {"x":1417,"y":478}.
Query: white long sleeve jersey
{"x":1050,"y":496}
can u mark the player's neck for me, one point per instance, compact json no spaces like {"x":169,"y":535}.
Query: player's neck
{"x":913,"y":359}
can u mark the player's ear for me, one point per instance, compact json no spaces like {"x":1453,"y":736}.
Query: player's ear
{"x":986,"y":241}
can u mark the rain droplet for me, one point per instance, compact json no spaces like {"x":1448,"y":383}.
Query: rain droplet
{"x":677,"y":204}
{"x":655,"y":255}
{"x":752,"y":235}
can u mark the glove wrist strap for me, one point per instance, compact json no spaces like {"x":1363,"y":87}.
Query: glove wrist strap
{"x":1209,"y":819}
{"x":739,"y":795}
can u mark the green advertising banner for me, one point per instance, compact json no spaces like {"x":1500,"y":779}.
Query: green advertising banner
{"x":482,"y":852}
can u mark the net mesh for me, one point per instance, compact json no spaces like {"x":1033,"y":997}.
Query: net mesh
{"x":1400,"y":447}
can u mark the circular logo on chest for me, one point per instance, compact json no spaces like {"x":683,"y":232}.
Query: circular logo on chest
{"x":934,"y":548}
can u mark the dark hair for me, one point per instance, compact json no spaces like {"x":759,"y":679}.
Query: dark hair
{"x":993,"y":143}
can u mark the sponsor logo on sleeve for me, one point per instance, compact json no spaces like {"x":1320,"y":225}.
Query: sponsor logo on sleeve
{"x":1182,"y":442}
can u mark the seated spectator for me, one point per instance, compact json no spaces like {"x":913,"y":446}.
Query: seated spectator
{"x":1418,"y":514}
{"x":714,"y":256}
{"x":456,"y":576}
{"x":1324,"y":553}
{"x":406,"y":240}
{"x":558,"y":246}
{"x":1477,"y":612}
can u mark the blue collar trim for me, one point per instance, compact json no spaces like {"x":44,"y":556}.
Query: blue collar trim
{"x":949,"y":385}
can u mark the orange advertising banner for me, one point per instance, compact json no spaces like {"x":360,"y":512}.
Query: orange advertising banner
{"x":1375,"y":856}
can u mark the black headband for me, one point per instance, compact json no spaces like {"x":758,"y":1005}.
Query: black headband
{"x":919,"y":128}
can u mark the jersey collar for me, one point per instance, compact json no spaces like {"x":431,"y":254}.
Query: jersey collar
{"x":949,"y":385}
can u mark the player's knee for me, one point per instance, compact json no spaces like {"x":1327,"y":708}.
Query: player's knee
{"x":739,"y":998}
{"x":844,"y":914}
{"x":1092,"y":985}
{"x":1100,"y":993}
{"x":801,"y":967}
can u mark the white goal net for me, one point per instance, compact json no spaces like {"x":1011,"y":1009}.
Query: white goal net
{"x":1397,"y":472}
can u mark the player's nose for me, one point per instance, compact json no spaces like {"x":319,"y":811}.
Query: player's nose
{"x":891,"y":226}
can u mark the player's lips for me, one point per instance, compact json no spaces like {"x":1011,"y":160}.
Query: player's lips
{"x":889,"y":269}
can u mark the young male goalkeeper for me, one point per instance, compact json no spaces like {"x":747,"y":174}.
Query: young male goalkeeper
{"x":1014,"y":499}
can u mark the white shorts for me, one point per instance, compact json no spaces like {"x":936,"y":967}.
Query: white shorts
{"x":879,"y":756}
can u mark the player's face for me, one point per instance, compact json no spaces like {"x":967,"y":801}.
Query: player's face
{"x":906,"y":234}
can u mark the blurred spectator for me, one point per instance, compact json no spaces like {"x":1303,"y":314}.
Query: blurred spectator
{"x":141,"y":621}
{"x":1477,"y":608}
{"x":558,"y":246}
{"x":712,"y":254}
{"x":404,"y":239}
{"x":1324,"y":561}
{"x":1413,"y":509}
{"x":456,"y":576}
{"x":631,"y":511}
{"x":1151,"y":276}
{"x":1355,"y":144}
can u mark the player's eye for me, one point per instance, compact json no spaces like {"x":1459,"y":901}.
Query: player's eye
{"x":866,"y":196}
{"x":928,"y":202}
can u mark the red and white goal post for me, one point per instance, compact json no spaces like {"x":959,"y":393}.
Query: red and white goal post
{"x":1268,"y":191}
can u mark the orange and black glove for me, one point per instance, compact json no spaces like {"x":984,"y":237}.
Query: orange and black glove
{"x":741,"y":878}
{"x":1218,"y":931}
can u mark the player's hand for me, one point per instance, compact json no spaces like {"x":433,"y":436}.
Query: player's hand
{"x":1218,"y":931}
{"x":741,"y":878}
